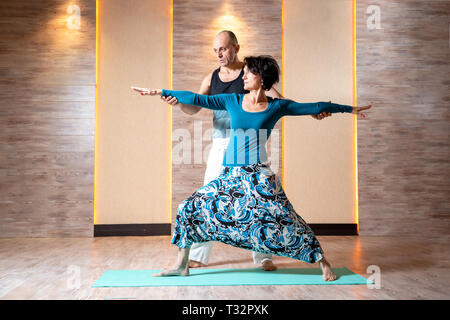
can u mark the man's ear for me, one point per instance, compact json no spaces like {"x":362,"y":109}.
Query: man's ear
{"x":237,"y":47}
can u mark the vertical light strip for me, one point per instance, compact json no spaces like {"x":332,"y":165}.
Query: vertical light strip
{"x":96,"y":109}
{"x":170,"y":109}
{"x":283,"y":79}
{"x":355,"y":118}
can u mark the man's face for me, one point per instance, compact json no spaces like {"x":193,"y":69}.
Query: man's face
{"x":224,"y":50}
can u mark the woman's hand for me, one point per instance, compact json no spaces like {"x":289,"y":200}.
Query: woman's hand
{"x":145,"y":91}
{"x":357,"y":110}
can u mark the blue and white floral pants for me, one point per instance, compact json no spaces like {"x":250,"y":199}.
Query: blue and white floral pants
{"x":246,"y":207}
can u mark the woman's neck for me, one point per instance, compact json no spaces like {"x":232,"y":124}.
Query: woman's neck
{"x":257,"y":96}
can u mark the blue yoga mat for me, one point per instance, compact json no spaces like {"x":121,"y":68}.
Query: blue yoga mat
{"x":227,"y":277}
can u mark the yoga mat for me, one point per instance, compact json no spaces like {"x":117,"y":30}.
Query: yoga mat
{"x":227,"y":277}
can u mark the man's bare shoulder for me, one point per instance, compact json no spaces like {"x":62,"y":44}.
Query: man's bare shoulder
{"x":206,"y":84}
{"x":208,"y":77}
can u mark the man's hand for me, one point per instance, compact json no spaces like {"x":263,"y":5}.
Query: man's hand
{"x":170,"y":100}
{"x":322,"y":115}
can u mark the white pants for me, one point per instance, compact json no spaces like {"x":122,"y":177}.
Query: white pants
{"x":201,"y":251}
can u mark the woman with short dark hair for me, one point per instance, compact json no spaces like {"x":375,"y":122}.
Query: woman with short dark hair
{"x":246,"y":206}
{"x":266,"y":67}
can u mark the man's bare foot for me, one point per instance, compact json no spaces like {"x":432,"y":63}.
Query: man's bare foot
{"x":196,"y":264}
{"x":327,"y":272}
{"x":180,"y":271}
{"x":268,"y":265}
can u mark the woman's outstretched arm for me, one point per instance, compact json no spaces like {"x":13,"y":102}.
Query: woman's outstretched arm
{"x":215,"y":102}
{"x":273,"y":93}
{"x":289,"y":107}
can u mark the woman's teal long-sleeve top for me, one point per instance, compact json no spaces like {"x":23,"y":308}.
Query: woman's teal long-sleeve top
{"x":250,"y":130}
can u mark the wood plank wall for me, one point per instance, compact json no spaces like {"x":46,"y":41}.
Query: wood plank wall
{"x":47,"y":117}
{"x":403,"y":146}
{"x":47,"y":130}
{"x":257,"y":25}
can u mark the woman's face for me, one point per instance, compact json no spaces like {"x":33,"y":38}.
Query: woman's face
{"x":251,"y":81}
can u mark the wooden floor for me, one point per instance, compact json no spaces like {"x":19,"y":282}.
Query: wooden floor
{"x":63,"y":268}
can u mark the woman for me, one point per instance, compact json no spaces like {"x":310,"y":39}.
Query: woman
{"x":246,"y":205}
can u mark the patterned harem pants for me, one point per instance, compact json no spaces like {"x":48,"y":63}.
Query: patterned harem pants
{"x":246,"y":207}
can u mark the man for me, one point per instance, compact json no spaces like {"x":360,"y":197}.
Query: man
{"x":226,"y":79}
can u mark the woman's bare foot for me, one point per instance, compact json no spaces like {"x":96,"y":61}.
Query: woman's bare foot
{"x":327,"y":272}
{"x":180,"y":271}
{"x":268,"y":265}
{"x":196,"y":264}
{"x":182,"y":265}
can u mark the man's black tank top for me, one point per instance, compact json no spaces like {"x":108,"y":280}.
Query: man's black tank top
{"x":221,"y":120}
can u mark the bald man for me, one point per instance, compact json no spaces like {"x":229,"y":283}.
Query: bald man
{"x":225,"y":79}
